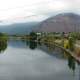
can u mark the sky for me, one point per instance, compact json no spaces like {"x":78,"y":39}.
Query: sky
{"x":19,"y":11}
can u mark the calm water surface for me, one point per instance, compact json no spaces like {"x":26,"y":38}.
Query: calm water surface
{"x":19,"y":62}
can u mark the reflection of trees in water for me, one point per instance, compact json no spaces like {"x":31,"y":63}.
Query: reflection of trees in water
{"x":32,"y":44}
{"x":3,"y":45}
{"x":50,"y":47}
{"x":71,"y":61}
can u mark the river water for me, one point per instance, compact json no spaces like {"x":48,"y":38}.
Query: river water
{"x":19,"y":62}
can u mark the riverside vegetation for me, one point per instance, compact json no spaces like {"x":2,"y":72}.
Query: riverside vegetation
{"x":66,"y":40}
{"x":3,"y":41}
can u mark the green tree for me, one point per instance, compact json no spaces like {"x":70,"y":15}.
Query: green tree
{"x":33,"y":36}
{"x":71,"y":43}
{"x":3,"y":42}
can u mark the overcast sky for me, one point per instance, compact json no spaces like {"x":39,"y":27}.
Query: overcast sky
{"x":13,"y":11}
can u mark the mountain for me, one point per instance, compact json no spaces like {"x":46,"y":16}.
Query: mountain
{"x":65,"y":22}
{"x":19,"y":28}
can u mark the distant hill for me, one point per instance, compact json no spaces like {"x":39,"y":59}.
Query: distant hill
{"x":65,"y":22}
{"x":19,"y":28}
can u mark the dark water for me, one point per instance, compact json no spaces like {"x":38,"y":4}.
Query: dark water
{"x":19,"y":62}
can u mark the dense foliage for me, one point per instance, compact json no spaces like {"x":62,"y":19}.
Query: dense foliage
{"x":3,"y":41}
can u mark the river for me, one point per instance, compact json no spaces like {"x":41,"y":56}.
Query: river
{"x":19,"y":62}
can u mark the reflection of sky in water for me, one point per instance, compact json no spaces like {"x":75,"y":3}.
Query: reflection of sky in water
{"x":17,"y":43}
{"x":25,"y":64}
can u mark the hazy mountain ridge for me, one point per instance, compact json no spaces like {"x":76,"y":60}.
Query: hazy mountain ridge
{"x":65,"y":22}
{"x":19,"y":28}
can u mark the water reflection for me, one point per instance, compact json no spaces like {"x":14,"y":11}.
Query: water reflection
{"x":70,"y":60}
{"x":23,"y":63}
{"x":32,"y":44}
{"x":71,"y":63}
{"x":51,"y":50}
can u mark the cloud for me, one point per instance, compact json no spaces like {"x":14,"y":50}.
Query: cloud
{"x":18,"y":10}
